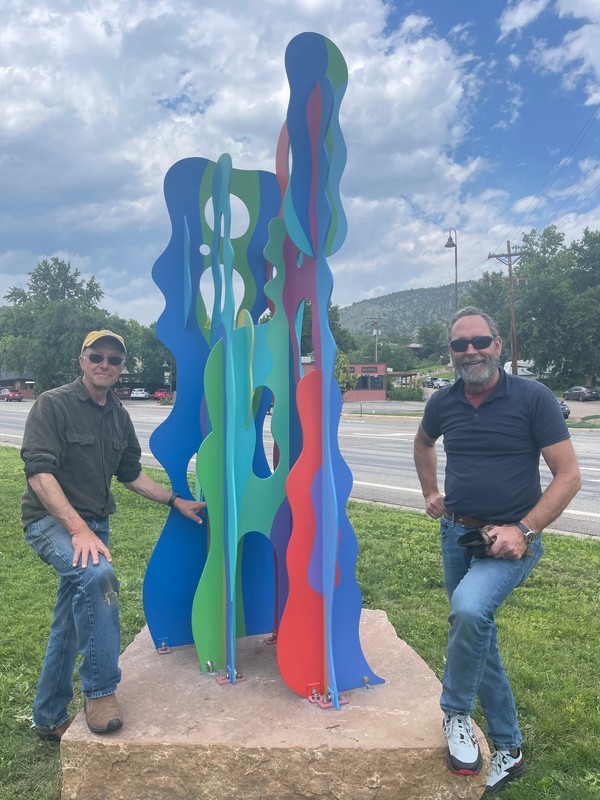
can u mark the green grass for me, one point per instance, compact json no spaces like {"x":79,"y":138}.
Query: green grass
{"x":549,"y":633}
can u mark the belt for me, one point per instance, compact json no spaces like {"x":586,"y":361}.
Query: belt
{"x":471,"y":522}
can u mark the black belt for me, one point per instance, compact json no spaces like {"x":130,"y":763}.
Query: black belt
{"x":471,"y":522}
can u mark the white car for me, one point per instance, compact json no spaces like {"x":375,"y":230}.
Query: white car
{"x":139,"y":394}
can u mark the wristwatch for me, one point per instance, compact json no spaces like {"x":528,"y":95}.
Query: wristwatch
{"x":529,"y":535}
{"x":171,"y":500}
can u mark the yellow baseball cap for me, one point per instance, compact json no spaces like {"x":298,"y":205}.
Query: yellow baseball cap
{"x":93,"y":336}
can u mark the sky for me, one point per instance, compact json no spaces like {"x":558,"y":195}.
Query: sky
{"x":481,"y":116}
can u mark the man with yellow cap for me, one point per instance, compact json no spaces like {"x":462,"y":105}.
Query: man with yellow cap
{"x":76,"y":438}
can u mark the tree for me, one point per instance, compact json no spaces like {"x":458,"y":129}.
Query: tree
{"x":343,"y":339}
{"x":42,"y":329}
{"x":341,"y":372}
{"x":433,"y":338}
{"x":54,"y":281}
{"x":556,"y":318}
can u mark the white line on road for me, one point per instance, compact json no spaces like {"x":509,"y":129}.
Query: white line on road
{"x":384,"y":486}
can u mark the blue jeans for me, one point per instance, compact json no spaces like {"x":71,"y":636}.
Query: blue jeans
{"x":86,"y":620}
{"x":476,"y":588}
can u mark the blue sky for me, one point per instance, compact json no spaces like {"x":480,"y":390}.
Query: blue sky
{"x":481,"y":115}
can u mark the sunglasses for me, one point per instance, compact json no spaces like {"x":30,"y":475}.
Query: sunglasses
{"x":96,"y":358}
{"x":478,"y":342}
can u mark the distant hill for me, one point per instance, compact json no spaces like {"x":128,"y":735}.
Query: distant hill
{"x":403,"y":313}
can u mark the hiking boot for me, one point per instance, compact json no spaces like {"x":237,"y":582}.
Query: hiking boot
{"x":102,"y":714}
{"x":503,"y":768}
{"x":464,"y":755}
{"x":52,"y":734}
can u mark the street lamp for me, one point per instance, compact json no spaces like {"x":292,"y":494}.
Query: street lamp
{"x":167,"y":368}
{"x":454,"y":243}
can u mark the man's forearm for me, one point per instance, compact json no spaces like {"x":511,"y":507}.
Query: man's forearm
{"x":146,"y":487}
{"x":426,"y":465}
{"x":50,"y":493}
{"x":553,"y":501}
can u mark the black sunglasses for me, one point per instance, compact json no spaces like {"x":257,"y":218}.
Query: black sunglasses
{"x":478,"y":342}
{"x":96,"y":358}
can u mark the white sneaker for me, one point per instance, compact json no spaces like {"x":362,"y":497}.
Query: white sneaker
{"x":503,"y":768}
{"x":464,"y":755}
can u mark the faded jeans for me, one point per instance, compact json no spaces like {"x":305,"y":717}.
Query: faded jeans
{"x":476,"y":587}
{"x":86,"y":620}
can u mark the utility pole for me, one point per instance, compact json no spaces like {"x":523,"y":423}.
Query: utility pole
{"x":507,"y":258}
{"x":376,"y":334}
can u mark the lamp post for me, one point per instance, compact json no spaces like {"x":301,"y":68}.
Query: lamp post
{"x":454,"y":243}
{"x":167,"y":368}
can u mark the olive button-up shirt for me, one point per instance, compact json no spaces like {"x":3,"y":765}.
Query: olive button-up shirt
{"x":81,"y":443}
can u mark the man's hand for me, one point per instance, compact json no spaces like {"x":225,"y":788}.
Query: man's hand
{"x":190,"y":509}
{"x":510,"y":543}
{"x":85,"y":544}
{"x":434,"y":505}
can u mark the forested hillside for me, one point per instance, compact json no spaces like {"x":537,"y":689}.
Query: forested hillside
{"x":403,"y":313}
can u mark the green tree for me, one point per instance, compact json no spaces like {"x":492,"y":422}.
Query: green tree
{"x":42,"y":328}
{"x":490,"y":294}
{"x":150,"y":355}
{"x":344,"y":340}
{"x":341,"y":372}
{"x":557,"y":289}
{"x":433,"y":339}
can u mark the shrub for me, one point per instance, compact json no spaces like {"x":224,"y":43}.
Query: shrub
{"x":405,"y":393}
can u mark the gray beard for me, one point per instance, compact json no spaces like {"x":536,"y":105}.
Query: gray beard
{"x":477,"y":374}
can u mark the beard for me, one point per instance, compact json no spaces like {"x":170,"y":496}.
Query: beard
{"x":477,"y":370}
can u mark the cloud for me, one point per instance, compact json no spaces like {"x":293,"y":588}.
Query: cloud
{"x":100,"y":100}
{"x":519,"y":15}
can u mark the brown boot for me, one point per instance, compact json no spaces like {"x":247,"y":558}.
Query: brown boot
{"x":52,"y":734}
{"x":102,"y":714}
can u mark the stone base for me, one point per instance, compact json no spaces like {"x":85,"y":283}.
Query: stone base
{"x":186,"y":737}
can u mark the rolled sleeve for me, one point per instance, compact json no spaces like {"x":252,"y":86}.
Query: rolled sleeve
{"x":42,"y":450}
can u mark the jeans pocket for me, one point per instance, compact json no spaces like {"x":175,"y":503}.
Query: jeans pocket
{"x":444,"y":527}
{"x":538,"y":552}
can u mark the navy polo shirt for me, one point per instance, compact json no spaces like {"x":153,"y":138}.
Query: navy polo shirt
{"x":493,"y":452}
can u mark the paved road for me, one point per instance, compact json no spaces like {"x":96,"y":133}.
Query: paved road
{"x":378,"y":449}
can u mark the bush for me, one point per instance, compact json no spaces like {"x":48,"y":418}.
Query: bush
{"x":405,"y":393}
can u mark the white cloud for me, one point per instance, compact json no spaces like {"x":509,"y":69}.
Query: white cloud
{"x":519,"y":15}
{"x":100,"y":100}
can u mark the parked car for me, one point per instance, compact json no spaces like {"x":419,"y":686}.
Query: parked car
{"x":428,"y":382}
{"x":581,"y":393}
{"x":442,"y":382}
{"x":10,"y":395}
{"x":139,"y":394}
{"x":160,"y":394}
{"x":566,"y":411}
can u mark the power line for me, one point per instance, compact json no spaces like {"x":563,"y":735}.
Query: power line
{"x":556,"y":172}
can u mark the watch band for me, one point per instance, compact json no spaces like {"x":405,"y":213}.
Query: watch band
{"x":171,"y":500}
{"x":529,"y":535}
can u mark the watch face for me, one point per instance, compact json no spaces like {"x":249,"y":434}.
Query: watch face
{"x":529,"y":537}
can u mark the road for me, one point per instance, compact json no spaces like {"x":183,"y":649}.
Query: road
{"x":378,"y":450}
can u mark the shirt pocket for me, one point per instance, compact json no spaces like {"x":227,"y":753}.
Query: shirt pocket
{"x":114,"y":452}
{"x":81,"y":454}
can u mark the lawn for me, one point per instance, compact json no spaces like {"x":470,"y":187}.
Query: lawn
{"x":549,"y":630}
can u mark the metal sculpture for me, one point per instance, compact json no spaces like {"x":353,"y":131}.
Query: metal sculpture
{"x":278,"y":553}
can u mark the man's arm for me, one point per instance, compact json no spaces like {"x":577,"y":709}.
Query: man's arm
{"x":565,"y":484}
{"x":146,"y":487}
{"x":426,"y":464}
{"x":84,"y":540}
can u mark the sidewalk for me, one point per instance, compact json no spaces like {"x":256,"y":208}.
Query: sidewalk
{"x":588,"y":408}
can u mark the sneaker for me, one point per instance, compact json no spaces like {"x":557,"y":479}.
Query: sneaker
{"x":464,"y":755}
{"x":503,"y":768}
{"x":102,"y":714}
{"x":52,"y":734}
